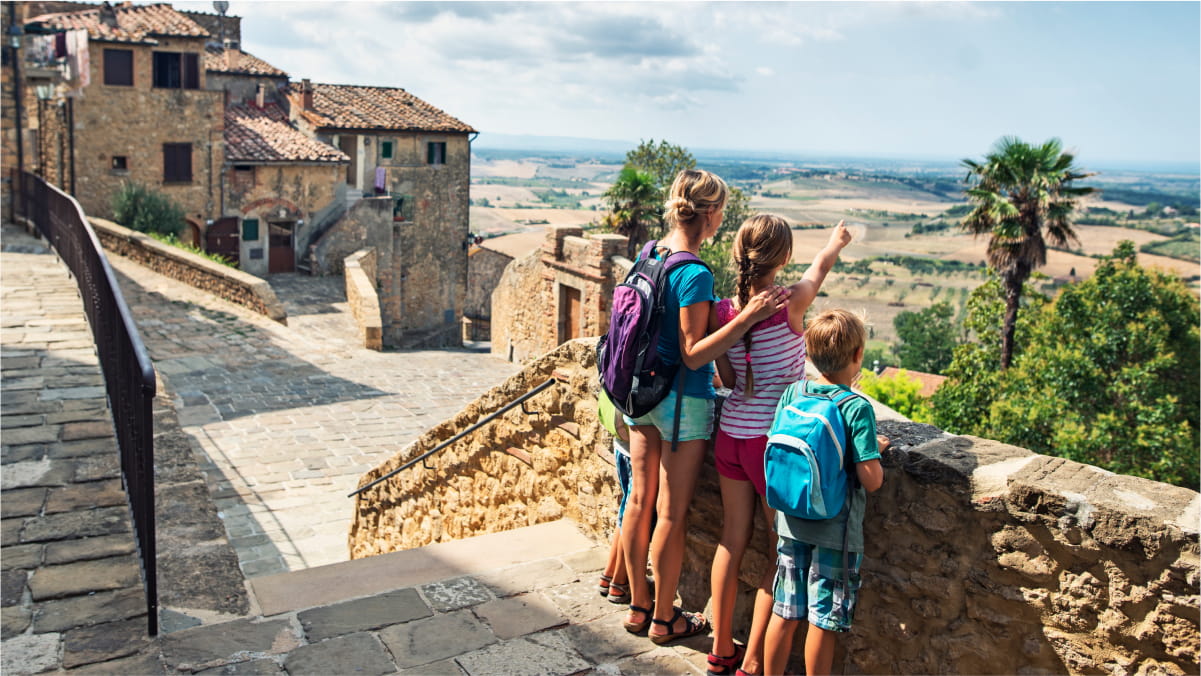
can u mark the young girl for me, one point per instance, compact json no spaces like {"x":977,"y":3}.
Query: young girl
{"x":694,"y":212}
{"x":769,"y":358}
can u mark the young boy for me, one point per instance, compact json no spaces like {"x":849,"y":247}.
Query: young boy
{"x":809,"y":575}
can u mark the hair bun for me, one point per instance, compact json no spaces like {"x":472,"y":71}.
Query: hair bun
{"x":682,"y":207}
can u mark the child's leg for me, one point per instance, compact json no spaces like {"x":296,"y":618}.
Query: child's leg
{"x":763,"y":602}
{"x":777,"y":642}
{"x":645,"y":447}
{"x":676,"y":484}
{"x":738,"y":514}
{"x":613,"y":563}
{"x":819,"y":651}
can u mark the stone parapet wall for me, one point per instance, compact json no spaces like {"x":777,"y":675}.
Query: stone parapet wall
{"x":982,"y":557}
{"x":361,"y":296}
{"x":220,"y":280}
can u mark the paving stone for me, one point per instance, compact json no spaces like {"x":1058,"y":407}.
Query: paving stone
{"x":103,"y":642}
{"x":588,"y":561}
{"x":540,"y":655}
{"x":43,"y":472}
{"x":21,"y":556}
{"x":97,"y":467}
{"x":173,"y":620}
{"x":580,"y":602}
{"x":527,"y":577}
{"x":87,"y":414}
{"x":251,"y":668}
{"x":14,"y":421}
{"x":10,"y":531}
{"x":89,"y":609}
{"x":12,"y":586}
{"x":215,"y":645}
{"x":30,"y":654}
{"x":102,"y":429}
{"x":102,"y":521}
{"x":85,"y":496}
{"x":23,"y":453}
{"x":14,"y":620}
{"x":86,"y":549}
{"x":435,"y":638}
{"x":54,"y":394}
{"x":334,"y":656}
{"x":148,"y":662}
{"x":659,"y":661}
{"x":83,"y":448}
{"x":460,"y":592}
{"x":23,"y":502}
{"x":520,"y":615}
{"x":363,"y":614}
{"x":32,"y":435}
{"x":605,"y":640}
{"x":180,"y":565}
{"x":442,"y":668}
{"x":53,"y":582}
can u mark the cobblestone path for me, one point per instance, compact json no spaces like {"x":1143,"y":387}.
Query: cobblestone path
{"x":289,"y":417}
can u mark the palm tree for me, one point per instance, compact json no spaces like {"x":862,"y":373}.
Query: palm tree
{"x":1023,"y":198}
{"x":633,"y":206}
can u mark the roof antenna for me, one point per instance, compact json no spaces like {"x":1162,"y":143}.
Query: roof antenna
{"x":222,"y":7}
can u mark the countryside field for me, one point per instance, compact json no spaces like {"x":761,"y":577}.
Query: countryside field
{"x":514,"y":199}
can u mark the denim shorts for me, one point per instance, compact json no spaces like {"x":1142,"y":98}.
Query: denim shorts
{"x":809,"y":585}
{"x":696,"y":418}
{"x":621,"y":458}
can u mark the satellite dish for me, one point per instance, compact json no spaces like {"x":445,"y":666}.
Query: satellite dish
{"x":221,"y":6}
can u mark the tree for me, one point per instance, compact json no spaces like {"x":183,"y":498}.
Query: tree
{"x":927,"y":338}
{"x":1023,"y":198}
{"x":1108,"y":375}
{"x":144,"y":209}
{"x":662,"y":161}
{"x":633,"y":207}
{"x":900,"y":392}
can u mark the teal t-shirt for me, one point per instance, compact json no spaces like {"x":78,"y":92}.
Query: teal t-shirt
{"x":687,"y":285}
{"x":860,"y":421}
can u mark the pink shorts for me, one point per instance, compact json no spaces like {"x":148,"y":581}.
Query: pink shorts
{"x":741,"y":459}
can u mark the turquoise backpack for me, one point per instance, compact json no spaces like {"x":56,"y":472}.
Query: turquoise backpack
{"x":807,"y":456}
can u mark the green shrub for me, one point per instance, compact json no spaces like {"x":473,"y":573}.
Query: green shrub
{"x":174,"y":241}
{"x":900,"y":392}
{"x":140,"y":208}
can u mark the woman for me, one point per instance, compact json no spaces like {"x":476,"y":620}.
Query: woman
{"x":694,"y":212}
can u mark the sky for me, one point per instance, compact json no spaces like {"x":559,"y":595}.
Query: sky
{"x":1118,"y":82}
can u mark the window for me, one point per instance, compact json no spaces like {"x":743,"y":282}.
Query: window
{"x":118,"y":67}
{"x":435,"y":152}
{"x":120,"y":163}
{"x":176,"y":70}
{"x":250,"y":231}
{"x":402,"y":207}
{"x":177,"y":163}
{"x":385,"y":150}
{"x":242,"y":177}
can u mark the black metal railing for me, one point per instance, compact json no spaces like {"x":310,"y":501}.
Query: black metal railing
{"x":128,"y":374}
{"x":478,"y":424}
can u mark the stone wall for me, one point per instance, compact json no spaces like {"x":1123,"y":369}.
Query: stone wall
{"x":982,"y":557}
{"x":367,"y":224}
{"x":360,"y":295}
{"x":485,"y":267}
{"x":562,"y":293}
{"x":220,"y":280}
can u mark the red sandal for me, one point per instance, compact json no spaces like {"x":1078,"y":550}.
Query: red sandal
{"x":725,"y":664}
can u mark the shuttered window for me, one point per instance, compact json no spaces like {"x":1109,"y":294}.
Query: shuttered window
{"x":118,"y":67}
{"x":177,"y":163}
{"x":176,"y":70}
{"x":435,"y":152}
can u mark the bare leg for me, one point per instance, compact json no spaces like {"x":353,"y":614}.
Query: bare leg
{"x":738,"y":515}
{"x":645,"y":447}
{"x":819,"y":651}
{"x":778,"y":644}
{"x":754,"y":660}
{"x":676,"y":483}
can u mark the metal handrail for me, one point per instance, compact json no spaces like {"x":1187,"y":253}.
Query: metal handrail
{"x":478,"y":424}
{"x":128,"y":374}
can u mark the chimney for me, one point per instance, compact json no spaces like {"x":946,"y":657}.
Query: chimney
{"x":108,"y":15}
{"x":231,"y":60}
{"x":259,"y":96}
{"x":306,"y":93}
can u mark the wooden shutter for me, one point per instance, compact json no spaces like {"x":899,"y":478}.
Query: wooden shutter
{"x":177,"y":162}
{"x":191,"y":70}
{"x":118,"y":67}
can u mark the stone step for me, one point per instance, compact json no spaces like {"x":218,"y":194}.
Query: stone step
{"x":324,"y":585}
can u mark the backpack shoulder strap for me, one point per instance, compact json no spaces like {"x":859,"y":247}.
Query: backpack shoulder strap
{"x":683,"y":258}
{"x":647,"y":249}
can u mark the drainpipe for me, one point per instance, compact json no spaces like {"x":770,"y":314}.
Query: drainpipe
{"x":14,"y":32}
{"x":71,"y":141}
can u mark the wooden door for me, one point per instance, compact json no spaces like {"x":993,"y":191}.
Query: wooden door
{"x":281,"y":256}
{"x":569,"y":313}
{"x":222,"y":238}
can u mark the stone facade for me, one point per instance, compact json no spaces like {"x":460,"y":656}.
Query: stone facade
{"x":982,"y":557}
{"x":485,"y":267}
{"x":557,"y":294}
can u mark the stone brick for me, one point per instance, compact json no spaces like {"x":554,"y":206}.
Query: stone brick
{"x":526,"y":577}
{"x":21,"y":556}
{"x":215,"y":645}
{"x":23,"y":502}
{"x":84,"y":611}
{"x":106,"y":493}
{"x":97,"y":467}
{"x":363,"y":614}
{"x":23,"y":453}
{"x":146,"y":662}
{"x":103,"y":642}
{"x":85,"y":549}
{"x":14,"y":620}
{"x":435,"y":638}
{"x":456,"y":593}
{"x":530,"y":656}
{"x":30,"y":654}
{"x":43,"y":472}
{"x":101,"y":521}
{"x":520,"y":615}
{"x":31,"y":435}
{"x":262,"y":667}
{"x":330,"y":657}
{"x":75,"y":431}
{"x":84,"y":447}
{"x":52,"y":582}
{"x":12,"y":586}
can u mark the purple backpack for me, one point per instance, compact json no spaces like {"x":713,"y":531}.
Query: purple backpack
{"x":627,"y":357}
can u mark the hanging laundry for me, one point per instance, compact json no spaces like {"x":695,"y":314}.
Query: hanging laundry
{"x":381,"y":180}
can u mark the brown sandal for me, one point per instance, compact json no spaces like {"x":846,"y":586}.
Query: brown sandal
{"x":639,"y":627}
{"x":696,"y":624}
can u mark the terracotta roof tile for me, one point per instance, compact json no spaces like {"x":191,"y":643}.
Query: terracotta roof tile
{"x":134,"y":23}
{"x":239,"y":62}
{"x":361,"y":107}
{"x":930,"y":381}
{"x":254,"y":134}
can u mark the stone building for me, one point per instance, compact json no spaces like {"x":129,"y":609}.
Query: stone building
{"x":485,"y":267}
{"x":556,"y":294}
{"x":418,"y":158}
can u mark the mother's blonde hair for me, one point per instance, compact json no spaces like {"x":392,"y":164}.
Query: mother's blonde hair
{"x":694,"y":192}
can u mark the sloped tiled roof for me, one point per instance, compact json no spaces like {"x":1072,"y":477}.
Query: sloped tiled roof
{"x":373,"y":108}
{"x":236,"y":61}
{"x":930,"y":381}
{"x":134,"y":23}
{"x":254,"y":134}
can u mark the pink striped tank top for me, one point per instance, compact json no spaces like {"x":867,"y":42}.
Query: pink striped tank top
{"x":778,"y":360}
